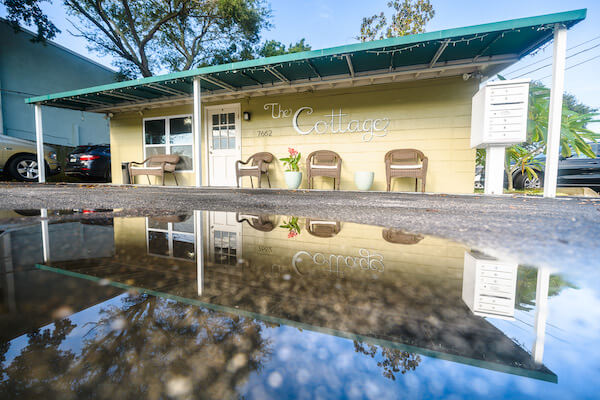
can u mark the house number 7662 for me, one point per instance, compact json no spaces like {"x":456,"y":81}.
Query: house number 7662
{"x":268,"y":132}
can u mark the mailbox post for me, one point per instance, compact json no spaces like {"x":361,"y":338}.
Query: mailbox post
{"x":498,"y":120}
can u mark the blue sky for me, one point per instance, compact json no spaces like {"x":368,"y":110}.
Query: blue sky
{"x":327,"y":23}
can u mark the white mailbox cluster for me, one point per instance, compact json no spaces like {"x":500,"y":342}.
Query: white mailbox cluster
{"x":499,"y":113}
{"x":489,"y":286}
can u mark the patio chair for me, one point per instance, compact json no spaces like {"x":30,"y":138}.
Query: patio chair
{"x":406,"y":163}
{"x":256,"y":165}
{"x":156,"y":165}
{"x":324,"y":163}
{"x":399,"y":237}
{"x":260,"y":222}
{"x":322,"y":228}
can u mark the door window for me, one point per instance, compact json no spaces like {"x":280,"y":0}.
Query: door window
{"x":223,"y":131}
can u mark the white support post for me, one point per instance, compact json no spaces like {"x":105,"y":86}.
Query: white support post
{"x":45,"y":235}
{"x":39,"y":138}
{"x":199,"y":244}
{"x":198,"y":131}
{"x":555,"y":110}
{"x":494,"y":170}
{"x":541,"y":313}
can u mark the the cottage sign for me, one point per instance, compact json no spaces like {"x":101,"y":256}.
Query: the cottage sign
{"x":334,"y":123}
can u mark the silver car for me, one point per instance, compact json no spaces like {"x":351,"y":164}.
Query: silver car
{"x":18,"y":158}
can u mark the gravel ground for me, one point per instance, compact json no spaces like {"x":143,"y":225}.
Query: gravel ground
{"x":563,"y":231}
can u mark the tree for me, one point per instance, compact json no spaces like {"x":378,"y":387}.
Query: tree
{"x":409,"y":17}
{"x":29,"y":12}
{"x":150,"y":35}
{"x":274,"y":48}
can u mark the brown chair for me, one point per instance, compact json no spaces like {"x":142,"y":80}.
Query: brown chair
{"x":156,"y":165}
{"x":399,"y":237}
{"x":406,"y":163}
{"x":324,"y":163}
{"x":260,"y":222}
{"x":256,"y":165}
{"x":321,"y":228}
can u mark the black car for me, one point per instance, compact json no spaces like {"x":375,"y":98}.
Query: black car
{"x":575,"y":171}
{"x":91,"y":161}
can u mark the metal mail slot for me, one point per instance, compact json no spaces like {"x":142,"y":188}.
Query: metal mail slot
{"x":505,"y":120}
{"x":514,"y":98}
{"x":495,"y":267}
{"x":497,"y":309}
{"x":496,"y":274}
{"x":505,"y":112}
{"x":495,"y":281}
{"x":496,"y":290}
{"x":500,"y":301}
{"x":510,"y":90}
{"x":505,"y":128}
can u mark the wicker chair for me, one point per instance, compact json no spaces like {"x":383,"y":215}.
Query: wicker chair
{"x":399,"y":237}
{"x":406,"y":163}
{"x":323,"y":229}
{"x":256,"y":165}
{"x":260,"y":222}
{"x":324,"y":163}
{"x":156,"y":165}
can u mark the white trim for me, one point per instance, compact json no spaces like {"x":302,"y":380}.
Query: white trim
{"x":237,"y":108}
{"x":168,"y":145}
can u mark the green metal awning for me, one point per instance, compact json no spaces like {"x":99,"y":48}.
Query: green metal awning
{"x":484,"y":49}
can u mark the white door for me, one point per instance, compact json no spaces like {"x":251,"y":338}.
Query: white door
{"x":225,"y":239}
{"x":224,"y":144}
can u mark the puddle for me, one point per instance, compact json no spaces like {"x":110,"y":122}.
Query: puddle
{"x":213,"y":304}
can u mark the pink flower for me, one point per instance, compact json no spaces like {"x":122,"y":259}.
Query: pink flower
{"x":292,"y":152}
{"x":292,"y":234}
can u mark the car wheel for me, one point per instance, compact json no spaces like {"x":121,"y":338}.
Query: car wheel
{"x":525,"y":182}
{"x":108,"y":175}
{"x":24,"y":168}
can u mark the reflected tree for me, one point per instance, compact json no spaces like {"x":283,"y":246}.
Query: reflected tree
{"x":392,"y":360}
{"x":36,"y":373}
{"x":527,"y":284}
{"x":145,"y":347}
{"x":154,"y":347}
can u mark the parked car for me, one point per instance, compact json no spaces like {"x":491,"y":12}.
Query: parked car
{"x":90,"y":161}
{"x":18,"y":158}
{"x":575,"y":171}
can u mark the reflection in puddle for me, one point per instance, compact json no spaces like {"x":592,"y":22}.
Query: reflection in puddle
{"x":232,"y":304}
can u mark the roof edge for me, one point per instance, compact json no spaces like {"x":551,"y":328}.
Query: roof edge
{"x":573,"y":17}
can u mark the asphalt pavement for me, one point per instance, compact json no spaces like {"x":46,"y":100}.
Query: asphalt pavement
{"x":532,"y":229}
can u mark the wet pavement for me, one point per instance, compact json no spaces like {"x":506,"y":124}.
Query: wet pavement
{"x":239,"y":304}
{"x":536,"y":230}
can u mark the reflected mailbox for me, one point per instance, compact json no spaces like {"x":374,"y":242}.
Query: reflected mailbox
{"x":489,"y":286}
{"x":499,"y":113}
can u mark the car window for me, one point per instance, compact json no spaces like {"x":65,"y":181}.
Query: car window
{"x":81,"y":149}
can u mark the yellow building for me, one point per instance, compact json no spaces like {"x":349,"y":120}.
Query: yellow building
{"x":360,"y":100}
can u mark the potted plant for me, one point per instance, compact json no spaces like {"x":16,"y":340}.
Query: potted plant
{"x":292,"y":226}
{"x":293,"y":176}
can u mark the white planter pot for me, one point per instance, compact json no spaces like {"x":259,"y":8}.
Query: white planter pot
{"x":293,"y":179}
{"x":363,"y":179}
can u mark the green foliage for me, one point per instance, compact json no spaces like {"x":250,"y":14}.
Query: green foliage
{"x":148,"y":36}
{"x":291,"y":162}
{"x":28,"y":12}
{"x":409,"y":17}
{"x":527,"y":284}
{"x":575,"y":137}
{"x":274,"y":48}
{"x":293,"y":227}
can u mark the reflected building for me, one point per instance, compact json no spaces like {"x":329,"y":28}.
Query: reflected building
{"x":417,"y":295}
